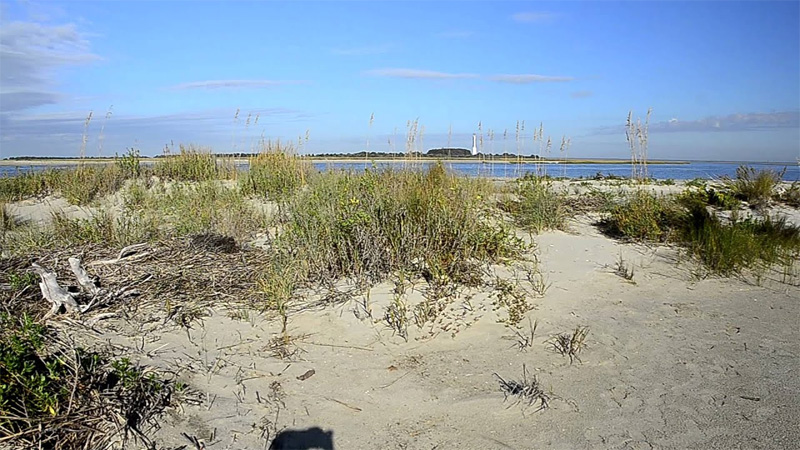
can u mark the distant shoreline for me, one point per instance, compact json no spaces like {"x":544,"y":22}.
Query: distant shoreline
{"x":347,"y":159}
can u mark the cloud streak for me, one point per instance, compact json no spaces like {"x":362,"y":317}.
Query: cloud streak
{"x":29,"y":52}
{"x":436,"y":75}
{"x":528,"y":78}
{"x":419,"y":74}
{"x":731,"y":122}
{"x":233,"y":84}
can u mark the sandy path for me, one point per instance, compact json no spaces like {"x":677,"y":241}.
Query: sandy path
{"x":672,"y":362}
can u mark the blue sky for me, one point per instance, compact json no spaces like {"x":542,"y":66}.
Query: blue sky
{"x":723,"y":78}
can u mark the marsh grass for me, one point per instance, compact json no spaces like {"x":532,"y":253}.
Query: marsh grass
{"x":723,"y":247}
{"x":193,"y":164}
{"x":642,"y":216}
{"x":754,"y":186}
{"x":538,"y":207}
{"x":371,"y":224}
{"x":729,"y":249}
{"x":276,"y":172}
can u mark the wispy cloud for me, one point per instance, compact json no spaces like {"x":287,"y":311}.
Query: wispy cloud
{"x":363,"y":51}
{"x":419,"y":74}
{"x":533,"y":17}
{"x":528,"y":79}
{"x":234,"y":84}
{"x":29,"y":52}
{"x":731,"y":122}
{"x":581,"y":94}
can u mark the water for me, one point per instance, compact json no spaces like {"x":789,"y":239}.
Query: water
{"x":503,"y":170}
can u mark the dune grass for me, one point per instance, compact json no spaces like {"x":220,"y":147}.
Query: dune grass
{"x":193,"y":164}
{"x":538,"y":207}
{"x":370,"y":224}
{"x":756,"y":187}
{"x":723,"y":247}
{"x":275,"y":172}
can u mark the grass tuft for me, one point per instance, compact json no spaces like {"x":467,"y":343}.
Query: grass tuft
{"x":754,"y":186}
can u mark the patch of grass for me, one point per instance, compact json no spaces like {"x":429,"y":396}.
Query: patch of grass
{"x":727,"y":249}
{"x":643,"y":216}
{"x":754,"y":186}
{"x":275,"y":172}
{"x":371,"y":224}
{"x":538,"y":208}
{"x":193,"y":164}
{"x":570,"y":344}
{"x":63,"y":397}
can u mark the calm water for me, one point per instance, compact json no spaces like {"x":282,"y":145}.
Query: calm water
{"x":660,"y":171}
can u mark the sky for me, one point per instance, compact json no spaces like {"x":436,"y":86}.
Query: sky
{"x":722,"y":77}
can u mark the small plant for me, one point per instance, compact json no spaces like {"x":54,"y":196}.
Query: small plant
{"x":624,"y":270}
{"x":570,"y":344}
{"x":129,"y":163}
{"x":510,"y":297}
{"x":19,"y":281}
{"x":525,"y":341}
{"x":637,"y":135}
{"x":397,"y":317}
{"x":528,"y":390}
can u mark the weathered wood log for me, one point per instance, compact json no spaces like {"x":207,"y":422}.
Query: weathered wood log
{"x":84,"y":281}
{"x":127,"y":254}
{"x":54,"y":293}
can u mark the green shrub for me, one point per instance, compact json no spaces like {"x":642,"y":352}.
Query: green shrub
{"x":709,"y":196}
{"x":275,"y":173}
{"x":644,"y":216}
{"x":55,"y":396}
{"x":538,"y":208}
{"x":368,"y":225}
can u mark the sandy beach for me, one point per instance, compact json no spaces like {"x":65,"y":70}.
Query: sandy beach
{"x":672,"y":360}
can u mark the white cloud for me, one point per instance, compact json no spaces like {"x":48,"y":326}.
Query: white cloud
{"x":233,"y":84}
{"x":418,"y":74}
{"x":532,"y":17}
{"x":731,"y":122}
{"x":528,"y":78}
{"x":29,"y":53}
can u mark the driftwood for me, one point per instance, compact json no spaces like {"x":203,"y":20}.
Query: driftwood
{"x":127,"y":254}
{"x":58,"y":296}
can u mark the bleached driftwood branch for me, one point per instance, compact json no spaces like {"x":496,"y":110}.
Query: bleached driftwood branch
{"x":59,"y":296}
{"x":127,"y":254}
{"x":54,"y":293}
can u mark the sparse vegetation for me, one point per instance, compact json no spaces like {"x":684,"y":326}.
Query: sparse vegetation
{"x":59,"y":396}
{"x":570,"y":344}
{"x":528,"y":390}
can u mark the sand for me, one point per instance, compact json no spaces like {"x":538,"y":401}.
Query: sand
{"x":672,"y":361}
